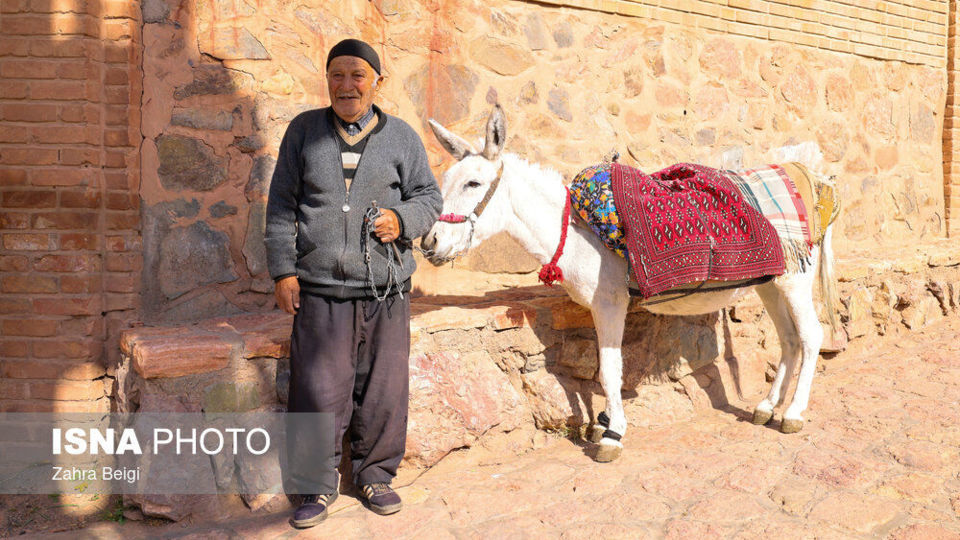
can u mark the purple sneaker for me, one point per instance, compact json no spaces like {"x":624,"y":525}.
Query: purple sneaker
{"x":380,"y":498}
{"x":312,"y":510}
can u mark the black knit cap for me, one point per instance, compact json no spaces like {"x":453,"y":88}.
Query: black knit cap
{"x":355,"y":47}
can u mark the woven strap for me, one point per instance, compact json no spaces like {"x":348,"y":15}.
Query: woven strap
{"x":459,"y":218}
{"x":452,"y":218}
{"x":490,"y":191}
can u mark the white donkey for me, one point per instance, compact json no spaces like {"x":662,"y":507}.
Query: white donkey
{"x":502,"y":192}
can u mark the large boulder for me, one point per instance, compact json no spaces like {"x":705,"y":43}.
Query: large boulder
{"x":454,"y":399}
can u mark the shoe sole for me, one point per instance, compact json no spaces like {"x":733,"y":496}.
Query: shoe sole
{"x":384,"y":510}
{"x":315,"y":520}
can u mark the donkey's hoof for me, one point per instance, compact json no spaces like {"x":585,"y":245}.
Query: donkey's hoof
{"x":761,"y":417}
{"x":596,"y":433}
{"x":790,"y":426}
{"x":609,"y":451}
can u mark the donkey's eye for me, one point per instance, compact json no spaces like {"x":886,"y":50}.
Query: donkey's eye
{"x":472,"y":184}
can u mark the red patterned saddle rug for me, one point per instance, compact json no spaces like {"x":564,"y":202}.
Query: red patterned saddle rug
{"x":689,"y":223}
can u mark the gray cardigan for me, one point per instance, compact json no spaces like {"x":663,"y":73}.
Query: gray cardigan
{"x":307,"y":232}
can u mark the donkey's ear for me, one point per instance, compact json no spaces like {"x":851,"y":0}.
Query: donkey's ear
{"x":496,"y":134}
{"x":457,"y":147}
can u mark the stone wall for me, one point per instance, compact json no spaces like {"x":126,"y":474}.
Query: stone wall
{"x":69,"y":204}
{"x":223,"y":78}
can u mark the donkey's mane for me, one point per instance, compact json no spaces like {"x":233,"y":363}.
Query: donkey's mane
{"x":546,"y":177}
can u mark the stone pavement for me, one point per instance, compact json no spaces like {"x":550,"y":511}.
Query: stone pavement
{"x":879,"y":457}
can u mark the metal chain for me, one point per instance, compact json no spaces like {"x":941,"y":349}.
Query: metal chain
{"x":393,"y":257}
{"x":370,"y":216}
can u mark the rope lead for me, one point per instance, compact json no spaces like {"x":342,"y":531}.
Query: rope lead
{"x":551,"y":271}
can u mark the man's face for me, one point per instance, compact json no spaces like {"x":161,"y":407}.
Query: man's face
{"x":350,"y":81}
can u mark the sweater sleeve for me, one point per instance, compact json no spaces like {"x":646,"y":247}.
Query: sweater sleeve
{"x":422,"y":201}
{"x":280,"y":234}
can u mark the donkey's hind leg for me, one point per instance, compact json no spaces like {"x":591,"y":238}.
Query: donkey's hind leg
{"x":799,"y":295}
{"x":775,"y":302}
{"x":789,"y":300}
{"x":609,"y":320}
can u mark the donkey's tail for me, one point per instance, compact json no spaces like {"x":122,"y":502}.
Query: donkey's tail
{"x":828,"y":208}
{"x":828,"y":283}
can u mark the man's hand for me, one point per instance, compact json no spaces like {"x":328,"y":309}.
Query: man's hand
{"x":387,"y":226}
{"x":287,"y":291}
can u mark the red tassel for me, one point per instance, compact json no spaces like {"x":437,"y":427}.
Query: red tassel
{"x":551,"y":273}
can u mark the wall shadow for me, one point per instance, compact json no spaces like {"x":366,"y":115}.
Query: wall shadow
{"x":657,"y":350}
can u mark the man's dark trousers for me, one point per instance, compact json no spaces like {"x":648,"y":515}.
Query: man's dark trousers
{"x":351,"y":358}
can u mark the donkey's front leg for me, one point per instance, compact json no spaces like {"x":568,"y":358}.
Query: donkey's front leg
{"x":609,"y":320}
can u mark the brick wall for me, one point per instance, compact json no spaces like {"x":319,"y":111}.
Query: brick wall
{"x":951,"y":132}
{"x":908,"y":30}
{"x":69,"y":205}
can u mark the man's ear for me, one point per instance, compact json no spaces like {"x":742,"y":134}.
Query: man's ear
{"x":378,"y":82}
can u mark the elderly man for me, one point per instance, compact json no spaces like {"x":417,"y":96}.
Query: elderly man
{"x":349,"y":353}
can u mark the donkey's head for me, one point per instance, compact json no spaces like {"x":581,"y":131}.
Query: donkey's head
{"x":470,"y":192}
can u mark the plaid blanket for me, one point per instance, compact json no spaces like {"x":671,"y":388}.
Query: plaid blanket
{"x":689,"y":223}
{"x":770,"y":190}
